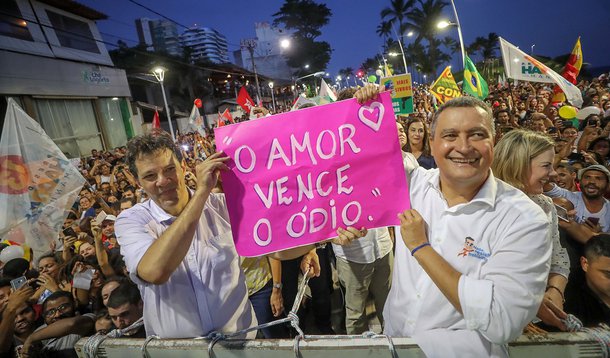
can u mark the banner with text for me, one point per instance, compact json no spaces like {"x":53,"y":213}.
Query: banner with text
{"x":402,"y":92}
{"x":298,"y":176}
{"x":521,"y":66}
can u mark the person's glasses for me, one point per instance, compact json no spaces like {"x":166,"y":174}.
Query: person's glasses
{"x":61,"y":309}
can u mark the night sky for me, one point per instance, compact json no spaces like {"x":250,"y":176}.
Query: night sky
{"x":551,"y":25}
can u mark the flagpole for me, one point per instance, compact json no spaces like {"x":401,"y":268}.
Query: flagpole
{"x":512,"y":95}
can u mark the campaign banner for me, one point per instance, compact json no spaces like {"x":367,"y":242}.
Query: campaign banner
{"x":297,"y":177}
{"x":445,"y":88}
{"x":38,"y":184}
{"x":402,"y":92}
{"x":521,"y":66}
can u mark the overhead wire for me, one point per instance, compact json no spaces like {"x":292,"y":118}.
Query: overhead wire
{"x":145,"y":53}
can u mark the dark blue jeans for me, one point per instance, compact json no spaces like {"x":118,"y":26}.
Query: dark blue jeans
{"x":261,"y":302}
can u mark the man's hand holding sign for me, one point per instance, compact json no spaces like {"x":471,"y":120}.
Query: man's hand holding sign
{"x":303,"y":177}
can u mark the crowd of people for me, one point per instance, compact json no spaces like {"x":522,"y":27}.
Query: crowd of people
{"x":509,"y":232}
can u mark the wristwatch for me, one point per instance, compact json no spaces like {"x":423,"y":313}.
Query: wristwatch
{"x":278,"y":285}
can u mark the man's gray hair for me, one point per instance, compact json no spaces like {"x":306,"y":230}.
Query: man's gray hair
{"x":464,"y":102}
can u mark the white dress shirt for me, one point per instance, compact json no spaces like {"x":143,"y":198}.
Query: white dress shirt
{"x":504,"y":271}
{"x":373,"y":246}
{"x":207,"y":292}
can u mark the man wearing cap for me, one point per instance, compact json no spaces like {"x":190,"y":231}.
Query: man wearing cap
{"x":108,"y":237}
{"x":590,"y":205}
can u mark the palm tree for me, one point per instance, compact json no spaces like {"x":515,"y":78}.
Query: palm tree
{"x":371,"y":64}
{"x":487,"y":47}
{"x":423,"y":21}
{"x":397,"y":12}
{"x":391,"y":45}
{"x":384,"y":29}
{"x":345,"y":72}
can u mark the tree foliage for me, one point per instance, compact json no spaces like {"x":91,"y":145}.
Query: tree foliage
{"x":306,"y":51}
{"x":305,"y":18}
{"x":486,"y":47}
{"x":429,"y":50}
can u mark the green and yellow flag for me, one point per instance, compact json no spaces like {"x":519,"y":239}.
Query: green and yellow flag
{"x":445,"y":87}
{"x":474,"y":84}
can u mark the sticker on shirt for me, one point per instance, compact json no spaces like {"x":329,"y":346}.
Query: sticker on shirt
{"x":470,"y":249}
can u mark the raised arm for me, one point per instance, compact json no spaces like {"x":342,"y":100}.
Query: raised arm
{"x":163,"y":255}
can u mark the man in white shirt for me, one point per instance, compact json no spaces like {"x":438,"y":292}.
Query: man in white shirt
{"x":472,"y":256}
{"x":178,"y":246}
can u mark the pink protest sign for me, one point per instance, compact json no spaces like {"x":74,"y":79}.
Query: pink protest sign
{"x":296,"y":177}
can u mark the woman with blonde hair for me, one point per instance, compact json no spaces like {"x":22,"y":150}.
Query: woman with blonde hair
{"x":524,"y":159}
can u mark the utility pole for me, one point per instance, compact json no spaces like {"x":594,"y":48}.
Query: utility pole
{"x":250,"y":44}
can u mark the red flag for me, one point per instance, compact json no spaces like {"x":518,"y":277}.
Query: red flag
{"x":570,"y":71}
{"x":220,"y":121}
{"x":244,"y":100}
{"x":227,"y":116}
{"x":156,"y":122}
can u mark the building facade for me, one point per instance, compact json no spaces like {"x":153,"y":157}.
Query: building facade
{"x":159,"y":35}
{"x":54,"y":64}
{"x":266,"y":50}
{"x":144,"y":33}
{"x":205,"y":43}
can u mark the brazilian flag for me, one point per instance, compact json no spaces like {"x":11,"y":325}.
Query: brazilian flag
{"x":474,"y":84}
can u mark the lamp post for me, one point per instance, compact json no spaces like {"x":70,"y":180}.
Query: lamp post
{"x":404,"y":61}
{"x":444,"y":24}
{"x":272,"y":95}
{"x":159,"y":73}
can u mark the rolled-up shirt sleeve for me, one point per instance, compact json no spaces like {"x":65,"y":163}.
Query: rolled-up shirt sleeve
{"x":132,"y":229}
{"x":508,"y":292}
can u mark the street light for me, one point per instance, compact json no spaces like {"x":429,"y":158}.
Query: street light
{"x":307,"y":66}
{"x":159,"y":73}
{"x":444,"y":24}
{"x":285,"y":43}
{"x":402,"y":50}
{"x":272,"y":95}
{"x":532,"y":53}
{"x":315,"y":74}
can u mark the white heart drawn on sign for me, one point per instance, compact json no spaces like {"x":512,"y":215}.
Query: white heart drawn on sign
{"x":365,"y":111}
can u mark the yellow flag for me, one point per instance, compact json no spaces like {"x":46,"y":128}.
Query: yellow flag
{"x":445,"y":88}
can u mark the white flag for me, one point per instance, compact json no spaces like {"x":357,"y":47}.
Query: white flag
{"x":196,"y":121}
{"x":301,"y":100}
{"x":38,"y":184}
{"x":521,"y":66}
{"x":326,"y":91}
